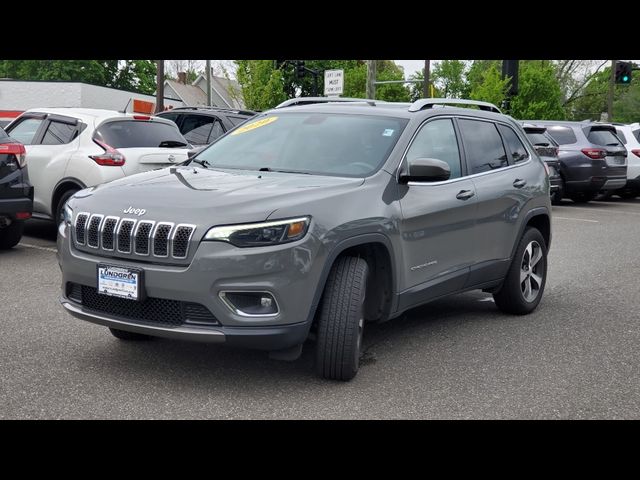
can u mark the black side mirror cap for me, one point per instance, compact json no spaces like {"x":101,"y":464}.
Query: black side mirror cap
{"x":424,"y":170}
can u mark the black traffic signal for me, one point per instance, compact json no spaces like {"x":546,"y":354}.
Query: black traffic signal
{"x":280,"y":63}
{"x":510,"y":69}
{"x":623,"y":72}
{"x":300,"y":69}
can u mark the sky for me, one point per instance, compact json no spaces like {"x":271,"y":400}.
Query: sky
{"x":411,"y":66}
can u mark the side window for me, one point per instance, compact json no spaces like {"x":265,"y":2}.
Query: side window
{"x":170,"y":116}
{"x":196,"y":128}
{"x":26,"y":130}
{"x":437,"y":139}
{"x":59,"y":133}
{"x":216,"y":132}
{"x":513,"y":143}
{"x":562,"y":135}
{"x":482,"y":145}
{"x":621,"y":136}
{"x":238,"y":120}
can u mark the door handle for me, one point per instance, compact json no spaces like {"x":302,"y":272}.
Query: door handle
{"x":465,"y":194}
{"x":518,"y":183}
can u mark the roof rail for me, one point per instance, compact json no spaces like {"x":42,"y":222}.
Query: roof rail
{"x":425,"y":103}
{"x":310,"y":100}
{"x":205,"y":107}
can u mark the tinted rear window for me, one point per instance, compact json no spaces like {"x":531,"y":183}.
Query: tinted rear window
{"x":621,"y":136}
{"x":562,"y":135}
{"x":538,"y":139}
{"x":603,"y":137}
{"x":137,"y":133}
{"x":636,"y":133}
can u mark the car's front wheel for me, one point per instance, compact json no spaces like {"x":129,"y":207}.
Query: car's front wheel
{"x":11,"y":235}
{"x":341,"y":321}
{"x":59,"y":215}
{"x":524,"y":284}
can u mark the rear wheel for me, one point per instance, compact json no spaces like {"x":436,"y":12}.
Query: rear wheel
{"x":59,"y":213}
{"x":628,"y":194}
{"x":524,"y":284}
{"x":124,"y":335}
{"x":11,"y":235}
{"x":583,"y":197}
{"x":556,"y":197}
{"x":341,"y":322}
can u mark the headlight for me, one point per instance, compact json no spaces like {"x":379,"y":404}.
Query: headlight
{"x":67,"y":213}
{"x":261,"y":234}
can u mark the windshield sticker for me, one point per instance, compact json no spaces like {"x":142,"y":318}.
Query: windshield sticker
{"x":254,"y":125}
{"x":388,"y":132}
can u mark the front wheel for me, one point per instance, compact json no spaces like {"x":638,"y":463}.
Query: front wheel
{"x":11,"y":235}
{"x":524,"y":284}
{"x":59,"y":213}
{"x":341,"y":320}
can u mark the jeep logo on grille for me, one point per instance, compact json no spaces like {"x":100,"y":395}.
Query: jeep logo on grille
{"x":135,"y":211}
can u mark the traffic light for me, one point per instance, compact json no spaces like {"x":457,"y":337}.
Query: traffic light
{"x":623,"y":72}
{"x":510,"y":69}
{"x":280,"y":63}
{"x":300,"y":69}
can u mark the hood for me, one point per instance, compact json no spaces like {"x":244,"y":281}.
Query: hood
{"x":201,"y":196}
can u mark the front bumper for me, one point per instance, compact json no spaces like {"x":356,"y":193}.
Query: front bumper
{"x":290,"y":272}
{"x":263,"y":338}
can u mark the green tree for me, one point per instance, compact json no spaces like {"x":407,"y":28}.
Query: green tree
{"x":261,"y":83}
{"x":450,"y":78}
{"x":135,"y":75}
{"x":486,"y":84}
{"x":539,"y":94}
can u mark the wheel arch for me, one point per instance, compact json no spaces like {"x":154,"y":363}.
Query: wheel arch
{"x":377,"y":250}
{"x":540,"y":219}
{"x":64,"y":185}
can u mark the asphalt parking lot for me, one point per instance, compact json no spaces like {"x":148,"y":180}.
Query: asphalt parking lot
{"x":577,"y":356}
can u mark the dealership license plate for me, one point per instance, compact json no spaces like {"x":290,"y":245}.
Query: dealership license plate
{"x":119,"y":282}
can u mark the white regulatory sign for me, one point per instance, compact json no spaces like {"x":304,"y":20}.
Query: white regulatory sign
{"x":333,"y":82}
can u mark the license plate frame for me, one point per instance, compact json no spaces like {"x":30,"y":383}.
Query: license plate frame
{"x":120,"y":282}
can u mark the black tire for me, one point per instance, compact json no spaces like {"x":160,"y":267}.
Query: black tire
{"x":511,"y":297}
{"x":583,"y":197}
{"x":558,"y":195}
{"x":124,"y":335}
{"x":10,"y":236}
{"x":61,"y":201}
{"x":604,"y":195}
{"x":341,"y":321}
{"x":628,"y":194}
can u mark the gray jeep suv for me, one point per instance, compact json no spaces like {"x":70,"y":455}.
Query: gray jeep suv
{"x":314,"y":218}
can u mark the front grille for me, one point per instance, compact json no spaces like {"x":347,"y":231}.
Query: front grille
{"x":81,"y":223}
{"x":181,"y":241}
{"x":127,"y":235}
{"x":160,"y":311}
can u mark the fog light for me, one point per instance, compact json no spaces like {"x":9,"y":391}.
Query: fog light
{"x":250,"y":304}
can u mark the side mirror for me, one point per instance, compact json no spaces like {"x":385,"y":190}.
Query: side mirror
{"x":424,"y":170}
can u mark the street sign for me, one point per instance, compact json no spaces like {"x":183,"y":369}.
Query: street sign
{"x":333,"y":82}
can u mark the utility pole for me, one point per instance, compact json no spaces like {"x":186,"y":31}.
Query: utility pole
{"x":427,"y":74}
{"x":208,"y":83}
{"x":612,"y":84}
{"x":160,"y":86}
{"x":371,"y":79}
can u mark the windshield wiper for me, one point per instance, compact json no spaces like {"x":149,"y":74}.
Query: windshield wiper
{"x":172,"y":144}
{"x":204,"y":163}
{"x":269,"y":169}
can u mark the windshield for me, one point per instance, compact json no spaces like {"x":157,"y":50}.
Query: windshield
{"x":315,"y":143}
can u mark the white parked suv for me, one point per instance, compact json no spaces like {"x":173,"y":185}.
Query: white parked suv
{"x":630,"y":136}
{"x":69,"y":149}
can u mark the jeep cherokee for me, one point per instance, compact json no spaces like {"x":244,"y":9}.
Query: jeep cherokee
{"x":315,"y":217}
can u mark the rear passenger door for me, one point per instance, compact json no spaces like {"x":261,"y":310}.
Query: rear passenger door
{"x":438,"y":218}
{"x":500,"y":179}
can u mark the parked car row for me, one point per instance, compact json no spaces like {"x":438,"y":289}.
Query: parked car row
{"x":594,"y":158}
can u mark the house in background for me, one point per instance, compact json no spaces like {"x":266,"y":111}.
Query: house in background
{"x":225,"y":93}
